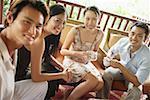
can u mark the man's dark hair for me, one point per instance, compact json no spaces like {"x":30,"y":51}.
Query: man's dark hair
{"x":143,"y":26}
{"x":18,"y":5}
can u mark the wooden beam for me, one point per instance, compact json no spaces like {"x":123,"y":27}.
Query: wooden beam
{"x":47,"y":2}
{"x":11,"y":1}
{"x":1,"y":11}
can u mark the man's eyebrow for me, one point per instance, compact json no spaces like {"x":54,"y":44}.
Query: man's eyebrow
{"x":139,"y":33}
{"x":29,"y":19}
{"x":39,"y":24}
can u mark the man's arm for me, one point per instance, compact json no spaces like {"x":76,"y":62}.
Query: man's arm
{"x":127,"y":74}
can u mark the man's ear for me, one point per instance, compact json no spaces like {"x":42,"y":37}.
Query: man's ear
{"x":9,"y":17}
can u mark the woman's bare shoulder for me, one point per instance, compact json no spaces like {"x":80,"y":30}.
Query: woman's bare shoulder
{"x":99,"y":30}
{"x":79,"y":26}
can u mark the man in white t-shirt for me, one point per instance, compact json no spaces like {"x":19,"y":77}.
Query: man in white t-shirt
{"x":21,"y":27}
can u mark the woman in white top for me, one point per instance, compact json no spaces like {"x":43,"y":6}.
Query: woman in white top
{"x":80,"y":48}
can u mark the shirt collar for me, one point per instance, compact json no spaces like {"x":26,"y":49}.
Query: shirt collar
{"x":4,"y":51}
{"x":136,"y":50}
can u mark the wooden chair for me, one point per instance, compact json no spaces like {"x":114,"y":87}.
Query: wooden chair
{"x":64,"y":33}
{"x":112,"y":36}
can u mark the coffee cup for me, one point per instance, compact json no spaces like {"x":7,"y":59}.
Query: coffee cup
{"x":106,"y":61}
{"x":92,"y":55}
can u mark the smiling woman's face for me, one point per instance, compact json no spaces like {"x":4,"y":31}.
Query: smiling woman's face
{"x":56,"y":24}
{"x":90,"y":19}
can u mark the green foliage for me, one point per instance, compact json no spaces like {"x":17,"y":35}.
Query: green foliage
{"x":6,"y":7}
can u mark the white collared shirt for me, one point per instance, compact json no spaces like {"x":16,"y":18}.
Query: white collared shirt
{"x":138,"y":63}
{"x":7,"y":73}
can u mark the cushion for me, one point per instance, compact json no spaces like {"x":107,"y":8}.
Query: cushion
{"x":114,"y":38}
{"x":65,"y":31}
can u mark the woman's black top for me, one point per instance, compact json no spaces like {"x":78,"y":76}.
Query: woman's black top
{"x":23,"y":70}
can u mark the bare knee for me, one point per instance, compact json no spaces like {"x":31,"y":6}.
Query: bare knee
{"x":71,"y":97}
{"x":92,"y":79}
{"x":99,"y":85}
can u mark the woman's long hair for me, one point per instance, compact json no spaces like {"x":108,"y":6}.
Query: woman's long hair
{"x":52,"y":41}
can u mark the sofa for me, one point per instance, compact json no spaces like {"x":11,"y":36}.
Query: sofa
{"x":111,"y":37}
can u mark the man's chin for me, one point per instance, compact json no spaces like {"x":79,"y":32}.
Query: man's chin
{"x":134,"y":45}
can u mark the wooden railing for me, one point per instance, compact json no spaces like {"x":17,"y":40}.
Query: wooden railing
{"x":110,"y":20}
{"x":107,"y":20}
{"x":73,"y":9}
{"x":1,"y":11}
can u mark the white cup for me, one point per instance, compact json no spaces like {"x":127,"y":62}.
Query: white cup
{"x":92,"y":55}
{"x":106,"y":61}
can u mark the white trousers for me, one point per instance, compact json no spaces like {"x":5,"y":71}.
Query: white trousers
{"x":28,"y":90}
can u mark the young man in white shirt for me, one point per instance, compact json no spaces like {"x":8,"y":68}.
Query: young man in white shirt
{"x":23,"y":22}
{"x":133,"y":66}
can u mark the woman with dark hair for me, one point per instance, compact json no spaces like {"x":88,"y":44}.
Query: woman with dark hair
{"x":44,"y":48}
{"x":80,"y":49}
